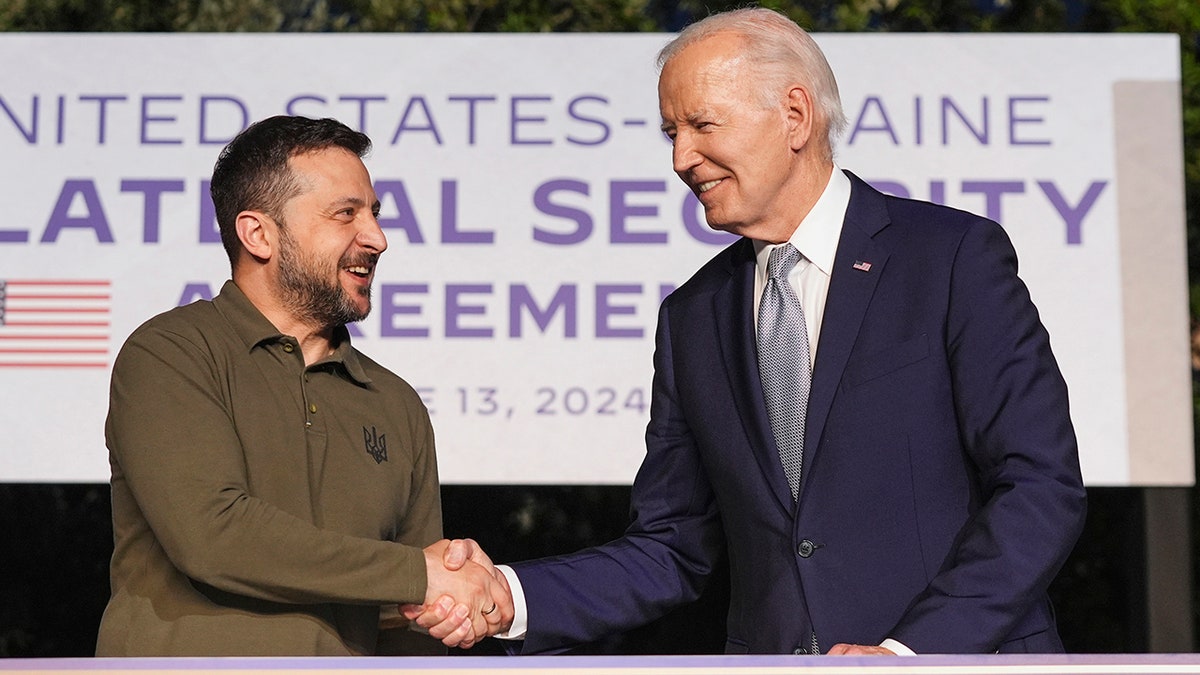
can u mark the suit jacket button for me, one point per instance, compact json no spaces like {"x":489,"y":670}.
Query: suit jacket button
{"x":806,"y":548}
{"x":799,"y":651}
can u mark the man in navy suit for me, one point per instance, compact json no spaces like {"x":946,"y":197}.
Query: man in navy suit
{"x":936,"y":491}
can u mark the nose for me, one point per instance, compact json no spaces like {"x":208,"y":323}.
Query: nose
{"x":684,"y":156}
{"x":370,"y":234}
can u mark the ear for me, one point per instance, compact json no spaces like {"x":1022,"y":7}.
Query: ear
{"x":256,"y":230}
{"x":801,"y":115}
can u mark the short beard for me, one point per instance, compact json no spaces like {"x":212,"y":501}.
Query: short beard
{"x":310,"y":293}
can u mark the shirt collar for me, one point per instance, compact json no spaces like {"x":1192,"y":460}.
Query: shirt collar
{"x":348,"y":356}
{"x":249,"y":323}
{"x":254,"y":329}
{"x":817,"y":235}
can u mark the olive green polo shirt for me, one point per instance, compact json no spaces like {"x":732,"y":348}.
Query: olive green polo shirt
{"x":260,"y":507}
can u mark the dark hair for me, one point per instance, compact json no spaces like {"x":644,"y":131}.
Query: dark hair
{"x":252,"y":172}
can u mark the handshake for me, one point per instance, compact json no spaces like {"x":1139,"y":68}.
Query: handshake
{"x":466,"y":597}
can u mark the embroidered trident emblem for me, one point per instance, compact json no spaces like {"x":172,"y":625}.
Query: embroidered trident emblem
{"x":376,"y":444}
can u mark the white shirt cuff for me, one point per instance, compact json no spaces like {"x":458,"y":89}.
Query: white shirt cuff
{"x":520,"y":623}
{"x":898,"y":647}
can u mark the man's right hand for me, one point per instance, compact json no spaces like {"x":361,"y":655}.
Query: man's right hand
{"x":466,"y":598}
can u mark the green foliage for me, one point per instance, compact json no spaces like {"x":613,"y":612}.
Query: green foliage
{"x":149,"y":15}
{"x":86,"y":15}
{"x":265,"y":16}
{"x":326,"y":15}
{"x":908,"y":15}
{"x":533,"y":16}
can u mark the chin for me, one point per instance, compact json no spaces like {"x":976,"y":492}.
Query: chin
{"x":721,"y":223}
{"x":735,"y":230}
{"x":719,"y":226}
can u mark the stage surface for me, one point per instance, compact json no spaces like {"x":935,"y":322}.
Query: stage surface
{"x":1090,"y":664}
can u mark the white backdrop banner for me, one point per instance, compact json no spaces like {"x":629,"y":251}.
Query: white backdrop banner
{"x":535,"y":223}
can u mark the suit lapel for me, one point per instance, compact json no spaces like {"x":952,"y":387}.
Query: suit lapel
{"x":850,"y":291}
{"x":734,"y":305}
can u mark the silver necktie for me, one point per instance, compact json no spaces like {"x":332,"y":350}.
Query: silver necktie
{"x":783,"y":361}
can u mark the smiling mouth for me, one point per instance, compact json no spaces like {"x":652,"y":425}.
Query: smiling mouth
{"x":362,"y":267}
{"x":707,"y":185}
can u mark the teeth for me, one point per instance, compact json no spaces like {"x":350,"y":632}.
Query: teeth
{"x":358,"y":270}
{"x":706,"y":186}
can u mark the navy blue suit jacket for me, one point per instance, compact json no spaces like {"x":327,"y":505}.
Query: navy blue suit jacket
{"x":941,"y":489}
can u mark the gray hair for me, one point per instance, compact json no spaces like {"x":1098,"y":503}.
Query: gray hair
{"x":784,"y":52}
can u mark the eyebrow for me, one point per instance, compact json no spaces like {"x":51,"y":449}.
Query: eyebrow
{"x":353,"y":201}
{"x":690,"y":119}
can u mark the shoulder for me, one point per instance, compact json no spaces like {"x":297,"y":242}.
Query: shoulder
{"x":188,"y":339}
{"x":868,"y":203}
{"x":919,"y":230}
{"x":190,"y":322}
{"x":934,"y":220}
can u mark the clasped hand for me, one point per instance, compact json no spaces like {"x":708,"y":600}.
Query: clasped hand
{"x":466,"y":597}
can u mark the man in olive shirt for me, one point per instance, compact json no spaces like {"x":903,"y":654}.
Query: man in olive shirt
{"x":272,"y":487}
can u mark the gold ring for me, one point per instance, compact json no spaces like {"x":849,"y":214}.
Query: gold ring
{"x":489,"y":611}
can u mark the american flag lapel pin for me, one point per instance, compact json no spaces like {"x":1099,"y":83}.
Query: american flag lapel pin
{"x":862,"y":266}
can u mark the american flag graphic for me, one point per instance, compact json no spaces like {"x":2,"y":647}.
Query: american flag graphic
{"x":54,"y":323}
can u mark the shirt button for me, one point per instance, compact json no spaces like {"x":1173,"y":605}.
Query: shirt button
{"x":312,"y":407}
{"x":289,"y":347}
{"x":806,"y":548}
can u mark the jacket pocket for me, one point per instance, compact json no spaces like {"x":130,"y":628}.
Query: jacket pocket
{"x":887,"y":360}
